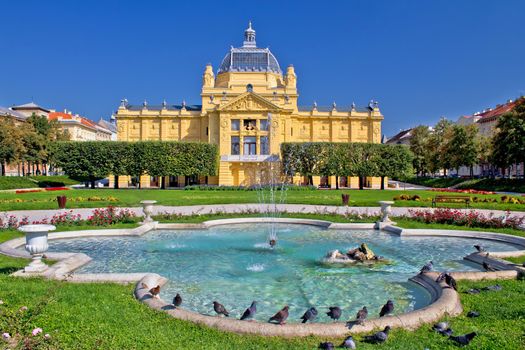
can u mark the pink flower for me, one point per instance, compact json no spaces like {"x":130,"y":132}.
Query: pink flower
{"x":6,"y":336}
{"x":36,"y":331}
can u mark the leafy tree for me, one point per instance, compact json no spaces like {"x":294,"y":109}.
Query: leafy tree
{"x":462,"y":147}
{"x":394,"y":161}
{"x":509,"y":141}
{"x":11,"y":145}
{"x":438,"y":148}
{"x":419,"y":147}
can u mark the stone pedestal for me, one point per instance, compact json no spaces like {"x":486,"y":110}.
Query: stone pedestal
{"x":147,"y":208}
{"x":36,"y":245}
{"x":386,"y":210}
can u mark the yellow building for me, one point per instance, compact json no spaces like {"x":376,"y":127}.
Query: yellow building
{"x":248,"y":109}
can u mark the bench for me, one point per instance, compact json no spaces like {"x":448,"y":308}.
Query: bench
{"x":451,"y":199}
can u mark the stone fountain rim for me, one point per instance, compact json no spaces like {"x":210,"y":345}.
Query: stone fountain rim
{"x":444,"y":301}
{"x":36,"y":228}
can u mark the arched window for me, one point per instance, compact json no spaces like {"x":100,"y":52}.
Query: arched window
{"x":249,"y":88}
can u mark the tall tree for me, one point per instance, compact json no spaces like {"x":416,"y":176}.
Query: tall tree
{"x":11,"y":145}
{"x":419,"y":146}
{"x":439,"y":149}
{"x":462,"y":147}
{"x":509,"y":141}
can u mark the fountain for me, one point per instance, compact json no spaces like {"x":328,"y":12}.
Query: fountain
{"x":271,"y":190}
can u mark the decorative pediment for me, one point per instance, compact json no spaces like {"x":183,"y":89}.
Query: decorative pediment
{"x":249,"y":101}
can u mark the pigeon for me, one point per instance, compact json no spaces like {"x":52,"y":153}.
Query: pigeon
{"x":440,"y":326}
{"x":335,"y":312}
{"x":473,"y":314}
{"x":250,"y":312}
{"x":348,"y":343}
{"x":480,"y":248}
{"x":378,"y":337}
{"x":447,"y":332}
{"x":361,"y":315}
{"x":388,"y":308}
{"x":463,"y":339}
{"x":441,"y":277}
{"x":177,"y":300}
{"x":473,"y":291}
{"x":488,"y":267}
{"x":443,"y":328}
{"x":451,"y":281}
{"x":309,"y":315}
{"x":327,"y":346}
{"x":220,"y":309}
{"x":427,"y":268}
{"x":281,"y":316}
{"x":155,"y":291}
{"x":494,"y":288}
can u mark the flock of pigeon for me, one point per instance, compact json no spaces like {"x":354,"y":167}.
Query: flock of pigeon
{"x":335,"y":312}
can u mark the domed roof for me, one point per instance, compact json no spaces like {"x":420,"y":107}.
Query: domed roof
{"x":249,"y":58}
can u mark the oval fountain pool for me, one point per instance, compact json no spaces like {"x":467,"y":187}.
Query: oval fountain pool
{"x":234,"y":265}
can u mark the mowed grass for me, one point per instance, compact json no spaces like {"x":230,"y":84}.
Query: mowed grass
{"x":106,"y":316}
{"x":132,"y":198}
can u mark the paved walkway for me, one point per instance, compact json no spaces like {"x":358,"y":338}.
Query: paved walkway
{"x":37,"y":215}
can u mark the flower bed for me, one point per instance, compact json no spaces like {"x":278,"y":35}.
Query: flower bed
{"x":69,"y":199}
{"x":470,"y":191}
{"x":99,"y":217}
{"x":470,"y":218}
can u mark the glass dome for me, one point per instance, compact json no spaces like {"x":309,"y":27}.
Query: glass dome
{"x":249,"y":58}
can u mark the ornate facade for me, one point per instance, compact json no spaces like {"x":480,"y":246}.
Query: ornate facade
{"x":248,"y":109}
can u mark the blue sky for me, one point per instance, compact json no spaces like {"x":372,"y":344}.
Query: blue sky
{"x":420,"y":59}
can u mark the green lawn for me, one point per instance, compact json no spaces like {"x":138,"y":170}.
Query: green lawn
{"x":106,"y":316}
{"x":87,"y":198}
{"x":15,"y":182}
{"x":518,"y":260}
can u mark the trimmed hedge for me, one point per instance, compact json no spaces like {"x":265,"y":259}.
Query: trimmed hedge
{"x":99,"y":159}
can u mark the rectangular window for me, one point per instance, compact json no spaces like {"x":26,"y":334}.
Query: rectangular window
{"x":264,"y":124}
{"x":235,"y":124}
{"x":265,"y":147}
{"x":249,"y":124}
{"x":250,"y":146}
{"x":236,"y":147}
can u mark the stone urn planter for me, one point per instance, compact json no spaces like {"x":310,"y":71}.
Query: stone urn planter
{"x":345,"y":198}
{"x":147,"y":208}
{"x":61,"y":200}
{"x":36,"y":245}
{"x":386,"y":210}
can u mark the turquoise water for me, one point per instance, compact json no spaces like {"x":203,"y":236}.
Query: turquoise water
{"x":234,"y":265}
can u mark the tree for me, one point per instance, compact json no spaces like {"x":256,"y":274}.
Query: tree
{"x":438,"y":148}
{"x":509,"y":141}
{"x":462,"y":147}
{"x":484,"y":151}
{"x":394,"y":161}
{"x":419,"y":147}
{"x":11,"y":145}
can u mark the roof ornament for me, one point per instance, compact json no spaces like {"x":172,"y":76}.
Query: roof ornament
{"x":315,"y":105}
{"x":123,"y":102}
{"x":145,"y":103}
{"x":371,"y":104}
{"x":183,"y":104}
{"x":353,"y":106}
{"x":164,"y":104}
{"x":376,"y":104}
{"x":211,"y":98}
{"x":249,"y":36}
{"x":334,"y":105}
